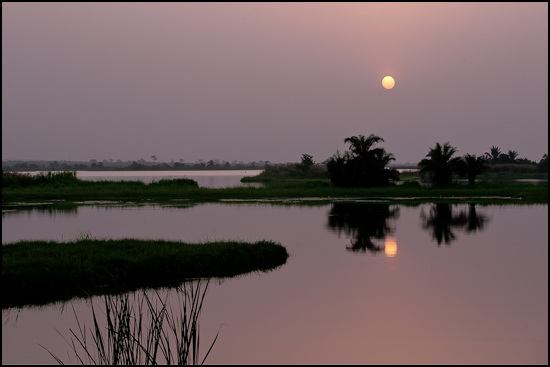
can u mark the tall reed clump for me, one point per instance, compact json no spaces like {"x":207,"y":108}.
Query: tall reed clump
{"x":142,"y":329}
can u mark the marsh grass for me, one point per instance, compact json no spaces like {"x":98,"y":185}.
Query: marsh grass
{"x":64,"y":186}
{"x":128,"y":192}
{"x":16,"y":179}
{"x":137,"y":328}
{"x":41,"y":272}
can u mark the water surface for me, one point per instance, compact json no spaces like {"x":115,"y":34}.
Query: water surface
{"x":364,"y":284}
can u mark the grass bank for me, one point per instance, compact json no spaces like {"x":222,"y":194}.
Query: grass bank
{"x":40,"y":272}
{"x":66,"y":187}
{"x":125,"y":191}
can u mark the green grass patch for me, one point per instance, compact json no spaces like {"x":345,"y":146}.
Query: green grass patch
{"x":39,"y":272}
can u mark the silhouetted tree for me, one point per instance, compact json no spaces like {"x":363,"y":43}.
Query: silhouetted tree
{"x":307,"y":162}
{"x":361,"y":166}
{"x":360,"y":146}
{"x":542,"y":166}
{"x":493,"y":154}
{"x":440,"y":164}
{"x":503,"y":158}
{"x":336,"y":169}
{"x":470,"y":166}
{"x":512,"y":155}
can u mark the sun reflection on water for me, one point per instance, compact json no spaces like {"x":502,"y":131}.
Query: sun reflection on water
{"x":390,"y":247}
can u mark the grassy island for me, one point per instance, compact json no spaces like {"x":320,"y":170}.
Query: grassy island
{"x":39,"y":272}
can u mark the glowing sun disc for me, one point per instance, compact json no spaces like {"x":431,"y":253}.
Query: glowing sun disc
{"x":388,"y":82}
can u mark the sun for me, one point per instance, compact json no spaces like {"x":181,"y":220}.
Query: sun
{"x":388,"y":82}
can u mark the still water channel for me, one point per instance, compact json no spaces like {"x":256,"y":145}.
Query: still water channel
{"x":366,"y":283}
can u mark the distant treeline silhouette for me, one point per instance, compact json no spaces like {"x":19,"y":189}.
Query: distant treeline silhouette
{"x":118,"y":165}
{"x":142,"y":165}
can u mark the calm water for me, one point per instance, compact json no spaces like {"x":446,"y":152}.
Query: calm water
{"x":364,"y":284}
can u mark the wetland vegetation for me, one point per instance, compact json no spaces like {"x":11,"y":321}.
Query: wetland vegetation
{"x":42,"y":271}
{"x":64,"y":188}
{"x":362,"y":171}
{"x":38,"y":272}
{"x":143,"y":329}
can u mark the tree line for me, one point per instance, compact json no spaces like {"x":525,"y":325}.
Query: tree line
{"x":364,"y":165}
{"x":132,"y":165}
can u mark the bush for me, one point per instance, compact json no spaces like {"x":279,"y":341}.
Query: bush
{"x":177,"y":182}
{"x":292,"y":170}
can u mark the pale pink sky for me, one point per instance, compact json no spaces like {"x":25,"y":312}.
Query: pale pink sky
{"x":271,"y":81}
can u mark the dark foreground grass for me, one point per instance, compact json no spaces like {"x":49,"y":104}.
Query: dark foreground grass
{"x":40,"y":272}
{"x":143,"y":328}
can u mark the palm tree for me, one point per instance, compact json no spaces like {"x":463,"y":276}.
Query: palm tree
{"x":336,"y":169}
{"x":360,"y":146}
{"x":512,"y":154}
{"x":439,"y":164}
{"x":361,"y":165}
{"x":471,"y":166}
{"x":381,"y":160}
{"x":493,"y":154}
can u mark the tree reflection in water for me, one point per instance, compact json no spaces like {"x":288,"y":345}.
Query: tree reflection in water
{"x":141,"y":328}
{"x":363,"y":222}
{"x":443,"y":219}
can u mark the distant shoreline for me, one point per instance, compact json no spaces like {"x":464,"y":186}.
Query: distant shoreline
{"x":141,"y":165}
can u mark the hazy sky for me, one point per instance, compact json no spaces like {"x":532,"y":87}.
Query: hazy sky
{"x":271,"y":81}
